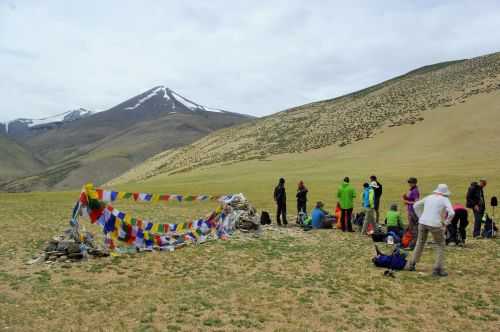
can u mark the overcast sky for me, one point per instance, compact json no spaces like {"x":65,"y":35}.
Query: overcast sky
{"x":254,"y":57}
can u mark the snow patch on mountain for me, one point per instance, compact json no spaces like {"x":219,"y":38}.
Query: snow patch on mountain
{"x":149,"y":96}
{"x":58,"y":118}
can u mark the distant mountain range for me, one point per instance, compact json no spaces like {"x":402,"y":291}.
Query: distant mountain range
{"x":77,"y":146}
{"x":22,"y":127}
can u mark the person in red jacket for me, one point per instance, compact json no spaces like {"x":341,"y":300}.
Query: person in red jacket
{"x":456,"y":230}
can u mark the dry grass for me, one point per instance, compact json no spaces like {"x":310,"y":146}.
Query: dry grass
{"x":287,"y":280}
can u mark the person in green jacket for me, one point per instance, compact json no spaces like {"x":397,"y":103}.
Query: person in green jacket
{"x":394,"y":221}
{"x":346,"y":195}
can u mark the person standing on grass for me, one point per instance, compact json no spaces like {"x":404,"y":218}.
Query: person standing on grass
{"x":430,"y":211}
{"x":369,"y":207}
{"x":378,"y":195}
{"x":409,"y":199}
{"x":476,"y":202}
{"x":301,"y":199}
{"x":280,"y":199}
{"x":346,"y":195}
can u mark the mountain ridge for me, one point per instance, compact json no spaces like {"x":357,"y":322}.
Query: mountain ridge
{"x":340,"y":121}
{"x":126,"y":134}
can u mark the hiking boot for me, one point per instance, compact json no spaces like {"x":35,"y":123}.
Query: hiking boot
{"x":439,"y":273}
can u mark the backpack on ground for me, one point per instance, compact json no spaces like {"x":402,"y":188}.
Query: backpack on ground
{"x":359,"y":219}
{"x":265,"y":219}
{"x":490,"y":228}
{"x":395,"y":237}
{"x":395,"y":261}
{"x":378,"y":234}
{"x":407,"y":238}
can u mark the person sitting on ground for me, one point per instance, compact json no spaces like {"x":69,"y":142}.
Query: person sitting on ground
{"x":430,"y":211}
{"x":394,"y":221}
{"x":457,"y":228}
{"x":320,"y":217}
{"x":369,"y":207}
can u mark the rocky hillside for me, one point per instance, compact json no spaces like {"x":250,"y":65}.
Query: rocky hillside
{"x":100,"y":146}
{"x":341,"y":121}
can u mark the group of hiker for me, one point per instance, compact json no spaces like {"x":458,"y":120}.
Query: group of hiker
{"x":433,"y":214}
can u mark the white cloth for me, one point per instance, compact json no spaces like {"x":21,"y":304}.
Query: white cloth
{"x":433,"y":209}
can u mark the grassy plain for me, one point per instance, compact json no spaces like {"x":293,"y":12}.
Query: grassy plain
{"x":286,"y":280}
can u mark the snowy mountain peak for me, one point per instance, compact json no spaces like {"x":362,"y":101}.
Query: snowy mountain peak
{"x":165,"y":96}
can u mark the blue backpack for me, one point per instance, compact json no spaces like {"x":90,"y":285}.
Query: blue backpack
{"x":395,"y":261}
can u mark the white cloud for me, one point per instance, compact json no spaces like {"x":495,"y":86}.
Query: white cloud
{"x":252,"y":57}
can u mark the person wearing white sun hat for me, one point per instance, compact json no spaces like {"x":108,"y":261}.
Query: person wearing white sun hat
{"x":431,"y":211}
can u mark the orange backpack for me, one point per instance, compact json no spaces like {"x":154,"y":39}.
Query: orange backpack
{"x":338,"y":215}
{"x":406,"y":240}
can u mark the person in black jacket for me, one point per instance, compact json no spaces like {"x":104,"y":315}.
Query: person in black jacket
{"x":476,"y":202}
{"x":378,"y":194}
{"x":280,"y":199}
{"x":301,"y":199}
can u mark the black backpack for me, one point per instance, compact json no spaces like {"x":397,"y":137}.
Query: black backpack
{"x":265,"y":219}
{"x":378,"y":234}
{"x":489,"y":229}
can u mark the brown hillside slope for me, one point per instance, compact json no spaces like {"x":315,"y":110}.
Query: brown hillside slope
{"x":341,"y":121}
{"x":15,"y":160}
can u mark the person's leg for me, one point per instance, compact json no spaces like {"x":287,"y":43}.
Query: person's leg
{"x":372,"y":218}
{"x":349,"y":220}
{"x":413,"y":226}
{"x":463,"y":226}
{"x":438,"y":236}
{"x":478,"y":216}
{"x":422,"y":238}
{"x":343,"y":213}
{"x":377,"y":216}
{"x":452,"y":231}
{"x":278,"y":214}
{"x":365,"y":223}
{"x":283,"y":214}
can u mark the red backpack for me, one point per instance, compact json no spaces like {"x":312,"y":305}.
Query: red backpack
{"x":406,"y":240}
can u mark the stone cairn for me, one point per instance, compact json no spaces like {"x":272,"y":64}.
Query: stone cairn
{"x":71,"y":246}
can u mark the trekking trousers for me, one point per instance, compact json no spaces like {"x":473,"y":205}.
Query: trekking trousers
{"x":301,"y":206}
{"x":281,"y":212}
{"x":413,"y":227}
{"x":345,"y":220}
{"x":438,"y":236}
{"x":478,"y":219}
{"x":369,"y":219}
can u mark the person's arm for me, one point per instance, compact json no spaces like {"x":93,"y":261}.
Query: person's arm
{"x":450,"y":211}
{"x":418,"y":207}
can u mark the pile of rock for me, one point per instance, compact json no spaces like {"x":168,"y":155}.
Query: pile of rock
{"x":70,"y":246}
{"x":243,"y":213}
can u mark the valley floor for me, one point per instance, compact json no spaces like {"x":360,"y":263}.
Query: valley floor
{"x":286,"y":280}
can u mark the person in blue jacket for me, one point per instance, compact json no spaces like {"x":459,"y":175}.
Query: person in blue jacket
{"x":319,"y":217}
